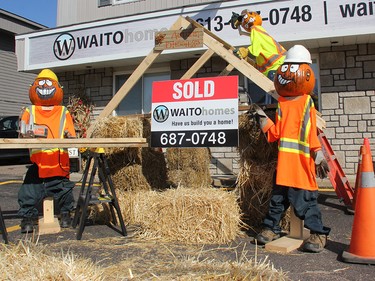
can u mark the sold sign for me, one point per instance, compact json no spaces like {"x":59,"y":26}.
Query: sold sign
{"x":200,"y":112}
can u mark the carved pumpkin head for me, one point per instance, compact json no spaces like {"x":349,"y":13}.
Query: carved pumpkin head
{"x":295,"y":76}
{"x":46,"y":89}
{"x":294,"y":79}
{"x":249,"y":19}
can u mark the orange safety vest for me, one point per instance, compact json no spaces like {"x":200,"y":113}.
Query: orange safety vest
{"x":51,"y":161}
{"x":295,"y":129}
{"x":268,"y":53}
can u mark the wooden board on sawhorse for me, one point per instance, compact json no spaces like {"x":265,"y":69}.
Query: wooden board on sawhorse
{"x":292,"y":241}
{"x":87,"y":196}
{"x":48,"y":224}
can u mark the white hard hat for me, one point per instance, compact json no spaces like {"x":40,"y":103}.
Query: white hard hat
{"x":298,"y":54}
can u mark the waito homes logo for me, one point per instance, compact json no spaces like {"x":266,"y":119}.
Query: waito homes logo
{"x":161,"y":113}
{"x":64,"y":46}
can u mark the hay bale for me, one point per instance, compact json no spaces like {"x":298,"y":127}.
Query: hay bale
{"x":204,"y":215}
{"x":189,"y":167}
{"x":27,"y":261}
{"x":132,"y":168}
{"x":257,"y":166}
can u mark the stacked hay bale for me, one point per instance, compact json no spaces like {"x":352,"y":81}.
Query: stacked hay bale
{"x":257,"y":166}
{"x":189,"y":167}
{"x":194,"y":212}
{"x":189,"y":215}
{"x":132,"y":168}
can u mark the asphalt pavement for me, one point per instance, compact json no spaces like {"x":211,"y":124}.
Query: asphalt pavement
{"x":298,"y":265}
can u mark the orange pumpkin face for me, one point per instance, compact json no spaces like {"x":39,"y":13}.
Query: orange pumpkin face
{"x":45,"y":92}
{"x":294,"y":80}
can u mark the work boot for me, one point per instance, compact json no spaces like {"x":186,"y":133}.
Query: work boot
{"x":65,"y":220}
{"x":27,"y":225}
{"x":315,"y":243}
{"x":266,"y":236}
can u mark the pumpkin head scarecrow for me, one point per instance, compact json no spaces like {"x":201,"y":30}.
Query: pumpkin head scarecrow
{"x":46,"y":89}
{"x":299,"y":151}
{"x":295,"y":77}
{"x":49,"y":174}
{"x":268,"y":53}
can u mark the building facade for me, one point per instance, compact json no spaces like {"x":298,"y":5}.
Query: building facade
{"x":98,"y":44}
{"x":14,"y":85}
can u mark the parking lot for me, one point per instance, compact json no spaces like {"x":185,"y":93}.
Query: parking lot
{"x":107,"y":247}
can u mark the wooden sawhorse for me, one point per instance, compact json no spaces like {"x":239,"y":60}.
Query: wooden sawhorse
{"x":86,"y":197}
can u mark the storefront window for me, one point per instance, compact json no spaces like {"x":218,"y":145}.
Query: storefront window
{"x":138,"y":100}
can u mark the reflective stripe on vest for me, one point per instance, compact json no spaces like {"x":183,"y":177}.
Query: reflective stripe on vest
{"x":62,"y":123}
{"x":270,"y":61}
{"x":301,"y":145}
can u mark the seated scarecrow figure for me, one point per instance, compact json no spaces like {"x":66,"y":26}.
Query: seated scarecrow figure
{"x":48,"y":176}
{"x":300,"y":157}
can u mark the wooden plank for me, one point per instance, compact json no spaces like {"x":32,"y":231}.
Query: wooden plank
{"x":284,"y":245}
{"x":48,"y":214}
{"x":48,"y":224}
{"x":228,"y":69}
{"x":66,"y":143}
{"x":297,"y":229}
{"x":198,"y":64}
{"x":48,"y":228}
{"x":292,"y":241}
{"x":179,"y":39}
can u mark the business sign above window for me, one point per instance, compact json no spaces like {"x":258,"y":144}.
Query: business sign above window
{"x":200,"y":112}
{"x":134,"y":36}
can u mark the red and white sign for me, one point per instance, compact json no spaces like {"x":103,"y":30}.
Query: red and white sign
{"x":201,"y":112}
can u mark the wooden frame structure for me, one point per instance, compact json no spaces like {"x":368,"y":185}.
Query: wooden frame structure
{"x":215,"y":45}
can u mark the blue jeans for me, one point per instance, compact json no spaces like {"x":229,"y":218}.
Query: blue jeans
{"x":305,"y":206}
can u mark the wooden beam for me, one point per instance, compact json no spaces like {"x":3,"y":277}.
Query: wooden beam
{"x":198,"y":64}
{"x":125,"y":89}
{"x":66,"y":143}
{"x":228,"y":69}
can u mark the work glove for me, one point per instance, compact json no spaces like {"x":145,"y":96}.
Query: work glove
{"x":321,"y":165}
{"x":242,"y":52}
{"x":261,"y":117}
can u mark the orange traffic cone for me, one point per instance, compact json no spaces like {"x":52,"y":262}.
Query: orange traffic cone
{"x":362,"y":244}
{"x":358,"y":177}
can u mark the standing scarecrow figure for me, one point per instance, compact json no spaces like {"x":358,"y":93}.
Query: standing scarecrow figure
{"x":268,"y":53}
{"x":299,"y":152}
{"x":49,"y":173}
